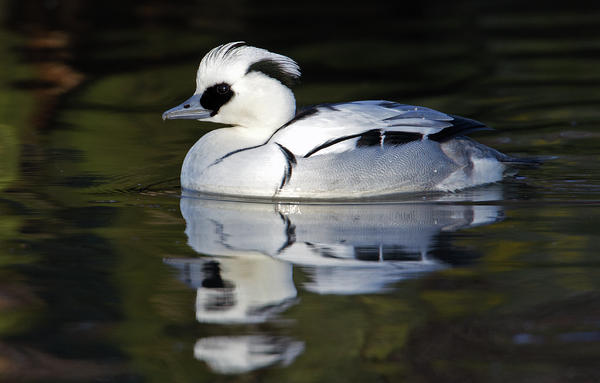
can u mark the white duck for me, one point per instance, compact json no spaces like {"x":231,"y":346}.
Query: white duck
{"x":348,"y":150}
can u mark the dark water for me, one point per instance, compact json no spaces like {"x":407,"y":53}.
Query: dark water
{"x":107,"y":275}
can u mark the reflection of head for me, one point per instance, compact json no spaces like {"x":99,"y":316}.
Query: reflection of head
{"x":238,"y":290}
{"x":219,"y":293}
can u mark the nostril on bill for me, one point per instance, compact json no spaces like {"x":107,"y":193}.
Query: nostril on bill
{"x":186,"y":106}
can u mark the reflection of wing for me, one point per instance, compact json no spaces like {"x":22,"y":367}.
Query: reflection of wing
{"x":362,"y":279}
{"x":344,"y":270}
{"x":341,"y":127}
{"x":369,"y":245}
{"x":239,"y":228}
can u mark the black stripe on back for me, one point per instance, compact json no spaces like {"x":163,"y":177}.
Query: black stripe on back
{"x":218,"y":160}
{"x":375,"y":138}
{"x":460,"y":126}
{"x":291,"y":161}
{"x":401,"y":138}
{"x":304,"y":113}
{"x":338,"y":140}
{"x":388,"y":104}
{"x":372,"y":137}
{"x":299,"y":116}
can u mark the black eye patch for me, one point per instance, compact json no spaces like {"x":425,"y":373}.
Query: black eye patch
{"x":215,"y":97}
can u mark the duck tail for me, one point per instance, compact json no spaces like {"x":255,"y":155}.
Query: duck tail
{"x":526,"y":162}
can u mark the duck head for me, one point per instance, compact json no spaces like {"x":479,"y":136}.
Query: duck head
{"x":243,"y":86}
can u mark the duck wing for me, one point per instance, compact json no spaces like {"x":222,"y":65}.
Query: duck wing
{"x":336,"y":128}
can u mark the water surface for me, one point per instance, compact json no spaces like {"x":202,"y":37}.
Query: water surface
{"x":108,"y":274}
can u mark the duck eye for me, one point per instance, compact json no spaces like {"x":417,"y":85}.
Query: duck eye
{"x":223,"y":89}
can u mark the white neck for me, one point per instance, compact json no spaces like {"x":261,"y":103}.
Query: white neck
{"x":260,"y":105}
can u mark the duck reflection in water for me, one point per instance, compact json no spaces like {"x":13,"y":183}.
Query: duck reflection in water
{"x":248,"y":289}
{"x":344,"y":249}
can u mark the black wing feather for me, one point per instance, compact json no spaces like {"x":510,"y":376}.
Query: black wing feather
{"x":461,"y":126}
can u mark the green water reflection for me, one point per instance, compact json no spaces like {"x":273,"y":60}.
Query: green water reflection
{"x":90,"y":208}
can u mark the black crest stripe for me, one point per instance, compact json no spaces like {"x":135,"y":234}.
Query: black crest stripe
{"x":274,"y":69}
{"x":233,"y":47}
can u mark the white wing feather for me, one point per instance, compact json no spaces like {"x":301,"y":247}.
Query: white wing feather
{"x":331,"y":122}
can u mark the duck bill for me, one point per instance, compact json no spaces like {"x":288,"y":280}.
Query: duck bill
{"x":190,"y":109}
